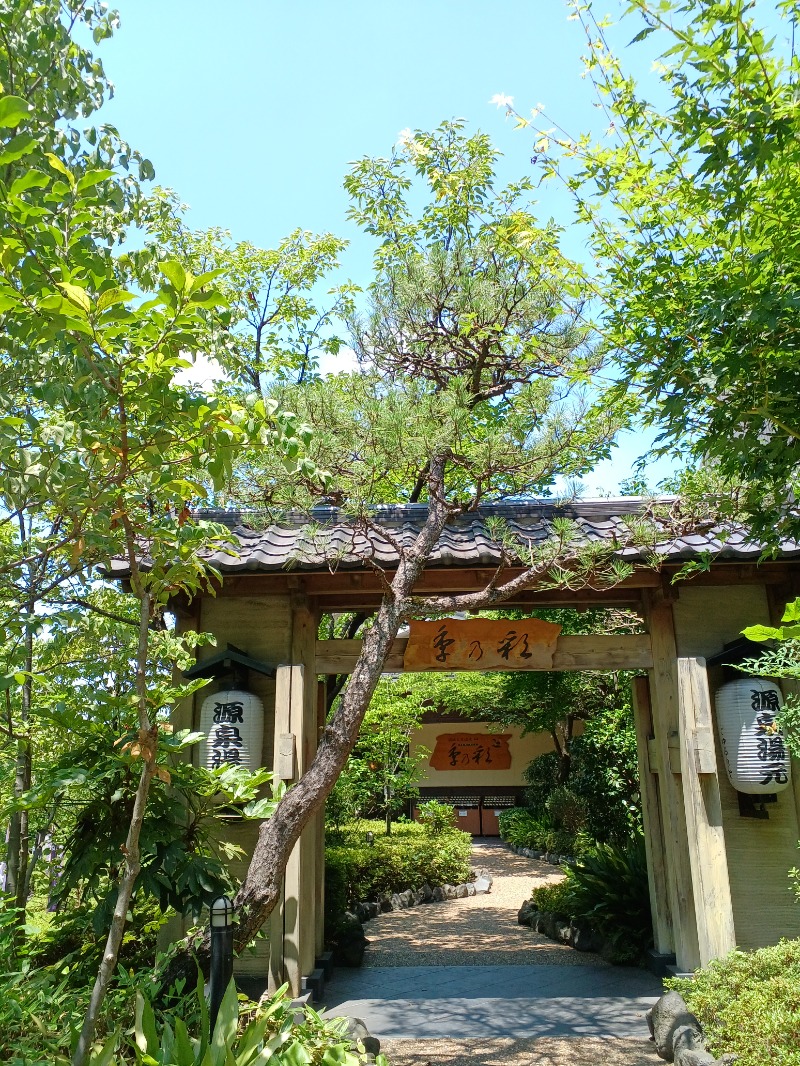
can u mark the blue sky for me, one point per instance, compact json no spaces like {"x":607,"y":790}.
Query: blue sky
{"x":252,"y":111}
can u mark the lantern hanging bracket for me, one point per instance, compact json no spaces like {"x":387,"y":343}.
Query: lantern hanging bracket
{"x":753,"y":806}
{"x":230,"y":662}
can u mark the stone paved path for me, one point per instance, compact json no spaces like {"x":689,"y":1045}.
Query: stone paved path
{"x":461,"y":982}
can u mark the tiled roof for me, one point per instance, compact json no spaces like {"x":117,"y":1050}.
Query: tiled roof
{"x":328,"y":539}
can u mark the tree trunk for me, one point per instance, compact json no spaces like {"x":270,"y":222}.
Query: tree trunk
{"x":19,"y":842}
{"x":130,"y":870}
{"x":261,"y":889}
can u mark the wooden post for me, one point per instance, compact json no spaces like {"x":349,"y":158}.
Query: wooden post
{"x":293,"y":931}
{"x":319,"y":868}
{"x":705,"y":834}
{"x":283,"y":724}
{"x":651,"y":818}
{"x":664,"y":697}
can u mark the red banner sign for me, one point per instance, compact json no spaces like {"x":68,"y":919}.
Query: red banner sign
{"x":471,"y":751}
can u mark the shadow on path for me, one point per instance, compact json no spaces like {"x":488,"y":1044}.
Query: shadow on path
{"x":465,"y":969}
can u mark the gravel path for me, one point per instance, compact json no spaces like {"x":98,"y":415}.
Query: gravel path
{"x":481,"y":930}
{"x":462,"y":932}
{"x":546,"y":1051}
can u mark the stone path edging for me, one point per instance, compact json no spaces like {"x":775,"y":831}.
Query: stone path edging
{"x":398,"y":901}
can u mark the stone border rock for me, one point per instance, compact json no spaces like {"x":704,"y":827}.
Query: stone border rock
{"x":357,"y":1033}
{"x":678,"y":1035}
{"x":557,"y":927}
{"x":398,"y":901}
{"x":550,"y":857}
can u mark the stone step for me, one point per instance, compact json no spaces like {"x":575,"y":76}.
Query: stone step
{"x":314,"y":984}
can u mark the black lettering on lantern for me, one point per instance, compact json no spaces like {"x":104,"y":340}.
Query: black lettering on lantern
{"x":229,"y":712}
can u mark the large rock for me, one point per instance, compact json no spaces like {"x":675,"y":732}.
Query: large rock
{"x":363,"y":912}
{"x":357,"y":1033}
{"x":526,"y":912}
{"x":407,"y":898}
{"x":688,"y":1038}
{"x":691,"y":1057}
{"x":547,"y":924}
{"x":427,"y":892}
{"x":470,"y":889}
{"x":671,"y":1021}
{"x":438,"y":894}
{"x":584,"y":939}
{"x":350,"y":942}
{"x":482,"y":885}
{"x":461,"y":891}
{"x":385,"y":902}
{"x":482,"y":874}
{"x":564,"y":932}
{"x":449,"y":891}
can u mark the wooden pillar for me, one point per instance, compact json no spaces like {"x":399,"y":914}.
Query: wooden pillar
{"x":705,"y":835}
{"x":657,"y":873}
{"x":664,"y":702}
{"x":319,"y":868}
{"x":293,"y":926}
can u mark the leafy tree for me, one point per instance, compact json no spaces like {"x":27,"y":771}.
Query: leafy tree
{"x":101,"y":449}
{"x":690,"y":210}
{"x":380,"y":772}
{"x":459,"y":401}
{"x":273,"y":327}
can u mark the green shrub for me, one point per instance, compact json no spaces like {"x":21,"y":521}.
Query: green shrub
{"x":273,"y":1033}
{"x":71,"y":935}
{"x":610,"y":890}
{"x":541,"y":776}
{"x":603,"y":777}
{"x":567,"y":811}
{"x":749,"y":1003}
{"x":436,"y":817}
{"x":409,"y":857}
{"x":555,"y":898}
{"x":525,"y":829}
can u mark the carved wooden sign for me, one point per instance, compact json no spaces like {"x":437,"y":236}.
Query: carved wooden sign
{"x":481,"y":644}
{"x":471,"y":751}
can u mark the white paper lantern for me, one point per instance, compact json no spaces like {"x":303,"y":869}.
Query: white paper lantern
{"x":752,"y":744}
{"x":233,"y":722}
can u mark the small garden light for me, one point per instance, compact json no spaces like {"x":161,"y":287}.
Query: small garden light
{"x":370,"y":837}
{"x":222,"y":912}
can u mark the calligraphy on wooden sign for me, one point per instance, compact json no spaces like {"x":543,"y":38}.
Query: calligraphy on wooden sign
{"x":471,"y":751}
{"x":481,"y":644}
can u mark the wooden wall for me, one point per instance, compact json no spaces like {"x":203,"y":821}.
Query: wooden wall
{"x":760,"y":853}
{"x":261,"y":627}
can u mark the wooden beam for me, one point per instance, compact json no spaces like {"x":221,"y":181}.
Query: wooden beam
{"x":651,"y":819}
{"x":450,"y":579}
{"x":351,"y":583}
{"x":705,"y":834}
{"x":614,"y":652}
{"x":525,"y":601}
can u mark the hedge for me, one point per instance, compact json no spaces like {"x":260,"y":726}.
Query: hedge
{"x":749,"y":1003}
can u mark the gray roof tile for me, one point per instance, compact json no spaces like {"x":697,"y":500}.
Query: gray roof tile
{"x":328,"y":539}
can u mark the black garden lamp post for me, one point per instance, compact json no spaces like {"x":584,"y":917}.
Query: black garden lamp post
{"x":221,"y":954}
{"x":370,"y":837}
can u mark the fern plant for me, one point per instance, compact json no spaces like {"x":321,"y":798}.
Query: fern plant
{"x":609,"y":889}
